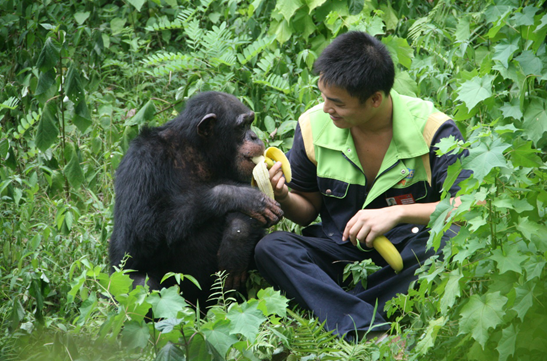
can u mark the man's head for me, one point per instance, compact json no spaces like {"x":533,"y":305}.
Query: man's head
{"x":358,"y":63}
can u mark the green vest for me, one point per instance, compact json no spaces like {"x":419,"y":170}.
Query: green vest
{"x":406,"y":161}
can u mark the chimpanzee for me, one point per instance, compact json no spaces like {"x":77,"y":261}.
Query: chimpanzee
{"x":184,"y":202}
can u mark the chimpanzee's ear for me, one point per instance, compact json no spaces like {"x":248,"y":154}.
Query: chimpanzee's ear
{"x":205,"y":125}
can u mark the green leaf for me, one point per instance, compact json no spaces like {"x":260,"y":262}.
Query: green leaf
{"x":135,"y":335}
{"x":476,"y":90}
{"x":116,"y":25}
{"x":451,"y":291}
{"x":287,"y":8}
{"x":504,"y":51}
{"x":81,"y":17}
{"x":463,"y":32}
{"x":510,"y":262}
{"x":145,"y":114}
{"x":170,"y":352}
{"x":246,"y":319}
{"x":355,"y":6}
{"x":49,"y":56}
{"x":117,"y":283}
{"x":73,"y":84}
{"x":73,"y":171}
{"x":82,"y":118}
{"x":45,"y":81}
{"x":535,"y":119}
{"x":530,"y":63}
{"x":530,"y":228}
{"x":137,"y":3}
{"x":481,"y":313}
{"x":218,"y":335}
{"x":272,"y":302}
{"x":404,"y":84}
{"x":428,"y":340}
{"x":525,"y":18}
{"x":483,"y":159}
{"x":511,"y":109}
{"x":523,"y":155}
{"x":401,"y":52}
{"x":506,"y":345}
{"x":524,"y":299}
{"x":312,"y":4}
{"x":47,"y":131}
{"x":167,"y":303}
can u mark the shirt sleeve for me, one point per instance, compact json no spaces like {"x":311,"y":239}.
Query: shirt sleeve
{"x":304,"y":172}
{"x":439,"y":165}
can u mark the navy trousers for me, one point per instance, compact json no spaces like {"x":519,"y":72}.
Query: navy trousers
{"x":310,"y":271}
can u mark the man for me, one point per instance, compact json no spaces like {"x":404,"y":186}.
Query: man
{"x":362,"y":160}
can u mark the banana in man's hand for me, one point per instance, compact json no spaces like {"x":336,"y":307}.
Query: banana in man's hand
{"x":261,"y":176}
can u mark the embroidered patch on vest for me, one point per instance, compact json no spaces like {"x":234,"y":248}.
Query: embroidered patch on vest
{"x":410,"y":175}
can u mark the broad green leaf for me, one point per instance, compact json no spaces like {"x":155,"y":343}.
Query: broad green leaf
{"x":463,"y":31}
{"x":49,"y":56}
{"x":81,"y":17}
{"x":47,"y":131}
{"x":218,"y":335}
{"x":535,"y":119}
{"x":437,"y":222}
{"x":355,"y":6}
{"x":167,"y":303}
{"x":530,"y":228}
{"x":82,"y":118}
{"x":282,"y":31}
{"x":404,"y":84}
{"x":543,"y":23}
{"x":137,"y":3}
{"x":246,"y":319}
{"x":506,"y":345}
{"x":428,"y":340}
{"x":135,"y":335}
{"x":45,"y":81}
{"x":505,"y":50}
{"x":145,"y":114}
{"x":116,"y":25}
{"x":483,"y":159}
{"x":399,"y":49}
{"x":496,"y":12}
{"x":272,"y":302}
{"x":117,"y":283}
{"x":451,"y":290}
{"x":510,"y":261}
{"x":526,"y":17}
{"x":474,"y":91}
{"x":73,"y":171}
{"x":287,"y":8}
{"x":530,"y":63}
{"x":170,"y":352}
{"x":168,"y":325}
{"x":524,"y":299}
{"x":534,"y":267}
{"x":481,"y":313}
{"x":312,"y":4}
{"x":511,"y":109}
{"x":73,"y":84}
{"x":523,"y":155}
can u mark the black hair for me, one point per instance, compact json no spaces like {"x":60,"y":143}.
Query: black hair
{"x":357,"y":62}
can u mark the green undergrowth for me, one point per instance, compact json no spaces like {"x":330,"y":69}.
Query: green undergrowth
{"x":79,"y":79}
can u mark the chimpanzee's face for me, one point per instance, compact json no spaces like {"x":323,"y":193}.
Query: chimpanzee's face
{"x":251,"y":147}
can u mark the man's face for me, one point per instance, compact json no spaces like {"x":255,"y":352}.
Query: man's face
{"x":345,"y":111}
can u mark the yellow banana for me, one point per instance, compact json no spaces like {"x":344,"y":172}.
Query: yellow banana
{"x":388,"y":251}
{"x":261,"y":177}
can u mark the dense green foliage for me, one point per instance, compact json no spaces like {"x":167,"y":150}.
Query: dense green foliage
{"x":79,"y":78}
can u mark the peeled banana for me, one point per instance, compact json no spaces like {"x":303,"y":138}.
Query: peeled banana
{"x":261,"y":176}
{"x":388,"y":251}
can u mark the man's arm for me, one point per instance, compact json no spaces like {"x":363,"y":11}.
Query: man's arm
{"x":367,"y":224}
{"x":300,"y":207}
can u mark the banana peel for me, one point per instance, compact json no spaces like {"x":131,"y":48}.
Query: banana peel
{"x":261,"y":176}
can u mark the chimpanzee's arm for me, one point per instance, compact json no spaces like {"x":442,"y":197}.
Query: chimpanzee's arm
{"x":194,"y":209}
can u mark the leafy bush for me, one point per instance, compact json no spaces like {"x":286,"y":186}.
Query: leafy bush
{"x":80,"y":78}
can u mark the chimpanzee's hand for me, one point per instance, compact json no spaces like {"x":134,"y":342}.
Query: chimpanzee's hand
{"x":235,"y":280}
{"x":265,"y":210}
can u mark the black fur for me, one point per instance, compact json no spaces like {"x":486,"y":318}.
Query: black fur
{"x":184,"y":201}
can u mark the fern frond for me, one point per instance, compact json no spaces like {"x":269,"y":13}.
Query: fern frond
{"x":165,"y":24}
{"x":218,"y":294}
{"x":112,"y":62}
{"x":163,"y":57}
{"x":310,"y":337}
{"x":276,"y":82}
{"x":253,"y":49}
{"x":194,"y":33}
{"x":10,"y":103}
{"x":25,"y":123}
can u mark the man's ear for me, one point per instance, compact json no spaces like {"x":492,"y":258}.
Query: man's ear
{"x":206,"y":124}
{"x":377,"y":98}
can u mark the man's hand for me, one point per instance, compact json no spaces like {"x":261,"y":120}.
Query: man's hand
{"x":367,"y":224}
{"x":281,"y":191}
